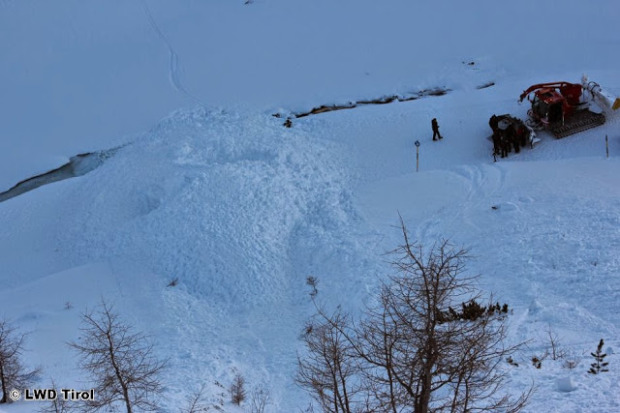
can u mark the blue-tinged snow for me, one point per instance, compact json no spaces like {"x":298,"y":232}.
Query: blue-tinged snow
{"x":210,"y":189}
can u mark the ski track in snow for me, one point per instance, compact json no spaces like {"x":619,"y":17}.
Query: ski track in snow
{"x":536,"y":250}
{"x":483,"y":180}
{"x":242,"y":299}
{"x":241,"y":210}
{"x":529,"y":264}
{"x":173,"y":70}
{"x":481,"y":183}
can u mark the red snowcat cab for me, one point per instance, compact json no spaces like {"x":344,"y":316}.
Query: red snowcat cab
{"x":559,"y":108}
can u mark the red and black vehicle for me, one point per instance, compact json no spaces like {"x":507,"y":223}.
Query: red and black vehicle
{"x":560,"y":108}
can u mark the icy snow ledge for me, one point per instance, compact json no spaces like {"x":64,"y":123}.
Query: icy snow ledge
{"x":378,"y":101}
{"x":78,"y":165}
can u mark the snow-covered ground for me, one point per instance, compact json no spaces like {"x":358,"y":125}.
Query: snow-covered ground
{"x":209,"y":188}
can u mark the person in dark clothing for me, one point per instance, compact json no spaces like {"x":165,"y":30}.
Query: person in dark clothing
{"x":436,"y":133}
{"x":511,"y":135}
{"x":493,"y":123}
{"x":497,"y":142}
{"x":522,"y":135}
{"x":505,"y":146}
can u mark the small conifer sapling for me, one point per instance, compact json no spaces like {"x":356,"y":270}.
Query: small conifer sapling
{"x":600,"y":365}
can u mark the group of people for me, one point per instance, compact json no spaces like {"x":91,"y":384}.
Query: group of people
{"x":508,"y":133}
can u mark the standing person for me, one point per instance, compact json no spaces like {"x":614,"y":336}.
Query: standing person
{"x":435,"y":126}
{"x":494,"y":123}
{"x":505,"y":146}
{"x":497,"y":143}
{"x":511,"y":135}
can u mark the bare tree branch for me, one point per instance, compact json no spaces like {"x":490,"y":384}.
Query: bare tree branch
{"x":13,"y":374}
{"x":412,"y":351}
{"x":120,"y":361}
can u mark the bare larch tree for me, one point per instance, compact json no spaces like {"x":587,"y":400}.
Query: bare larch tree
{"x":13,"y":374}
{"x":121,"y":362}
{"x":329,"y":368}
{"x":412,"y":355}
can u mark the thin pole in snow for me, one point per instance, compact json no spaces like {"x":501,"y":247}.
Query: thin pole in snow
{"x":417,"y":156}
{"x":607,"y":145}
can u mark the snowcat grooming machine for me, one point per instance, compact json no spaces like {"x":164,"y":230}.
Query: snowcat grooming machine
{"x":560,"y":108}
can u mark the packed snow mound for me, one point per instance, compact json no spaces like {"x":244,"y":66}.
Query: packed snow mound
{"x":236,"y":208}
{"x":215,"y":199}
{"x":240,"y":210}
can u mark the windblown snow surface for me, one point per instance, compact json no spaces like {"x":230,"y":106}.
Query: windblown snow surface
{"x":240,"y":210}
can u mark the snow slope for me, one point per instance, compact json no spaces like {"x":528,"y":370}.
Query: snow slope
{"x":211,"y":190}
{"x":83,"y":76}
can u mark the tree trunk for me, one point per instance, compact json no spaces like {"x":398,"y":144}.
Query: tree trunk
{"x":3,"y":381}
{"x":119,"y":376}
